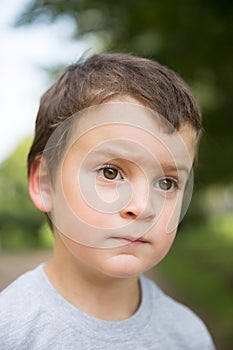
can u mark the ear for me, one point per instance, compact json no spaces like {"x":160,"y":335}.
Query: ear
{"x":40,"y":189}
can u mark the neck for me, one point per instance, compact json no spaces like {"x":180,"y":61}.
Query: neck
{"x":98,"y":295}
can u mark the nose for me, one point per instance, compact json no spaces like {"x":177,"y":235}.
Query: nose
{"x":140,"y":206}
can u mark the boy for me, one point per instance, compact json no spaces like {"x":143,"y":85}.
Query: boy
{"x":116,"y":137}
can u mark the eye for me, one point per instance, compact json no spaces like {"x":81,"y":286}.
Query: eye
{"x":110,"y":172}
{"x":166,"y":184}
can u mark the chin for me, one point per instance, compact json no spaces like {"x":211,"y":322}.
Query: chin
{"x":125,"y":266}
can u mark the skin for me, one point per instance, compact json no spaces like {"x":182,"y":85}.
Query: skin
{"x":99,"y":273}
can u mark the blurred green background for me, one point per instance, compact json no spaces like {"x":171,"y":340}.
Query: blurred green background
{"x":195,"y":39}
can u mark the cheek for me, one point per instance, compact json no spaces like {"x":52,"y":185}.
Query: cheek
{"x":89,"y":257}
{"x":90,"y":200}
{"x":83,"y":200}
{"x":107,"y":193}
{"x":164,"y":231}
{"x":162,"y":243}
{"x":170,"y":214}
{"x":79,"y":251}
{"x":75,"y":219}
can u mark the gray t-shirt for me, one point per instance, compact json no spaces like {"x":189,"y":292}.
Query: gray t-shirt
{"x":34,"y":316}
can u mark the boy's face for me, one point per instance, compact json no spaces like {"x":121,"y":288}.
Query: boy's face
{"x":117,"y":198}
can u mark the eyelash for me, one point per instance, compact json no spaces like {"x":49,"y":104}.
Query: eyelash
{"x":102,"y":168}
{"x":174,"y":181}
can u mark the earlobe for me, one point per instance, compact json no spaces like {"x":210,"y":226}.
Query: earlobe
{"x":39,"y":186}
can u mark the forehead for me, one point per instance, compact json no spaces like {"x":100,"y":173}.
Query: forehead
{"x":131,"y":131}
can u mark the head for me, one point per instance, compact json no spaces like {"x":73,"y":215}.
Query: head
{"x":103,"y":77}
{"x":113,"y":84}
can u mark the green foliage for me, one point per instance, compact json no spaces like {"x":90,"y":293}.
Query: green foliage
{"x":46,"y":236}
{"x":193,"y":37}
{"x":19,"y":220}
{"x":199,"y":267}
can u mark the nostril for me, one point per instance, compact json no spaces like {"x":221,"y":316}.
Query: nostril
{"x":130,"y":213}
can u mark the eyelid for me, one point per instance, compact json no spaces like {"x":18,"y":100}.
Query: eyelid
{"x":108,"y":165}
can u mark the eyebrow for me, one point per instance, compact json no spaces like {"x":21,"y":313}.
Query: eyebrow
{"x":173,"y":168}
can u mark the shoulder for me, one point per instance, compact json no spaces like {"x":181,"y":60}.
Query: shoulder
{"x":169,"y":309}
{"x":178,"y":325}
{"x":21,"y":292}
{"x":19,"y":305}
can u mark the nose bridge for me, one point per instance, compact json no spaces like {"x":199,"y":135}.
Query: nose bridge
{"x":141,"y":204}
{"x":144,"y":203}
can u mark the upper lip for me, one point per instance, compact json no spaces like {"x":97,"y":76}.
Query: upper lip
{"x":133,"y":239}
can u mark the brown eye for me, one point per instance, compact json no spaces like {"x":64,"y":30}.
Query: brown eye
{"x":110,"y":173}
{"x":166,"y":184}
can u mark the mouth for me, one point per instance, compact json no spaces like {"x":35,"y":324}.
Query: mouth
{"x":131,"y":241}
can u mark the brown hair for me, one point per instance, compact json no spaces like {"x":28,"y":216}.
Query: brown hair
{"x":103,"y":76}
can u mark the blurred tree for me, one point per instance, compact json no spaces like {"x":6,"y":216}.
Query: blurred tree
{"x":20,"y":222}
{"x":192,"y":37}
